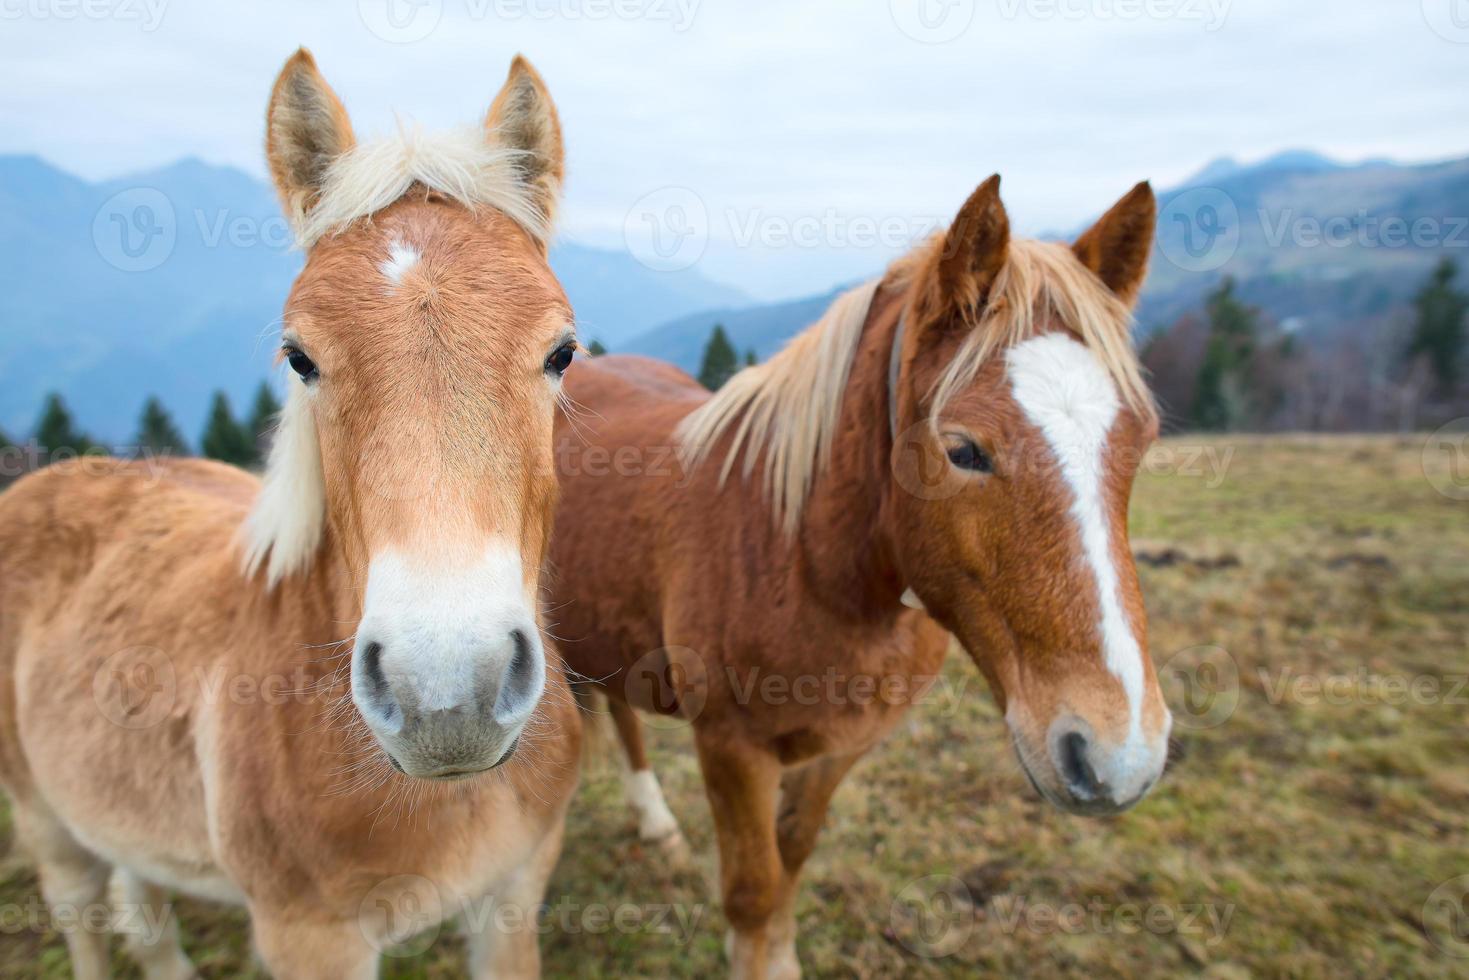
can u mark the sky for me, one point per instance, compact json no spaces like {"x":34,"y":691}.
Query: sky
{"x":781,"y":146}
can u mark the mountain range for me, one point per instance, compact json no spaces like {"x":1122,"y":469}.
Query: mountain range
{"x":171,"y":282}
{"x":1313,"y":242}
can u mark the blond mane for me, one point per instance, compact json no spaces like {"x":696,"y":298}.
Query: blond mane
{"x":284,"y":527}
{"x":788,"y":406}
{"x":465,"y":165}
{"x":787,"y":409}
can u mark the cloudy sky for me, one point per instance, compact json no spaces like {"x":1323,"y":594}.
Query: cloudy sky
{"x":810,"y":139}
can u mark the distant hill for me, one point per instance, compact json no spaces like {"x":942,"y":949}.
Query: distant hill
{"x":1315,"y":242}
{"x":1309,"y":239}
{"x":179,"y":294}
{"x":764,"y":328}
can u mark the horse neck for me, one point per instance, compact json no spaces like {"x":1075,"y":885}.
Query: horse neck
{"x":844,"y":531}
{"x":308,"y":618}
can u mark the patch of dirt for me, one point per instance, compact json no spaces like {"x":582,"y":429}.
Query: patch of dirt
{"x":1170,"y":557}
{"x":989,"y":880}
{"x":1360,"y":559}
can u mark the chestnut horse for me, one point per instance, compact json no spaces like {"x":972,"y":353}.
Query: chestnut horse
{"x":178,"y":707}
{"x":949,"y":450}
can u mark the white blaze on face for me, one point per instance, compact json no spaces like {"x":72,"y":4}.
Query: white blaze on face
{"x":1067,"y":394}
{"x":401,"y":259}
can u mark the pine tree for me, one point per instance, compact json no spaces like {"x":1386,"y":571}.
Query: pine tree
{"x":750,"y":359}
{"x":720,"y":361}
{"x":262,"y":421}
{"x":56,"y":432}
{"x":595,"y":349}
{"x":12,"y":464}
{"x":1221,"y":397}
{"x":224,"y":439}
{"x":157,"y":433}
{"x":1438,"y":330}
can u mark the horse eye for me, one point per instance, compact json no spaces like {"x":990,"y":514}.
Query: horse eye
{"x":560,"y":359}
{"x":304,"y":366}
{"x":968,"y":456}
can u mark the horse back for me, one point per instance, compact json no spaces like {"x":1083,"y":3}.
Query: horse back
{"x":55,"y":522}
{"x":632,"y":380}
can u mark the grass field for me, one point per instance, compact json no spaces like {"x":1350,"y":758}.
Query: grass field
{"x":1309,"y":604}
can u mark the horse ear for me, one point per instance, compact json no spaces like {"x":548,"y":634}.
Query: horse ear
{"x":523,"y":118}
{"x":306,"y":128}
{"x":1116,"y":248}
{"x":975,"y":247}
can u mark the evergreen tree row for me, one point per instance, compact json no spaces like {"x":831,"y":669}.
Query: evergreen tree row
{"x":241,"y":443}
{"x":1232,"y":370}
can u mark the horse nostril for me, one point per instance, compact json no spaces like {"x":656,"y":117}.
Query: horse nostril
{"x":377,"y":684}
{"x":1077,"y":770}
{"x":372,"y":656}
{"x":518,"y":685}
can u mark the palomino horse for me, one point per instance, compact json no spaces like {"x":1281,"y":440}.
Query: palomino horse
{"x":959,"y":437}
{"x":177,"y":702}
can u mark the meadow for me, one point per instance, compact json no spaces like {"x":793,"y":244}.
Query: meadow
{"x":1309,"y":615}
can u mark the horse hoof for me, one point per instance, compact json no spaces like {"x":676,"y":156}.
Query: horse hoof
{"x":675,"y":848}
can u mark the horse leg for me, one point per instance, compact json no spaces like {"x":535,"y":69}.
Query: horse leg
{"x":293,"y":946}
{"x":742,"y":783}
{"x":150,"y":930}
{"x":498,"y":949}
{"x":655,"y":821}
{"x":73,"y":882}
{"x":805,"y":794}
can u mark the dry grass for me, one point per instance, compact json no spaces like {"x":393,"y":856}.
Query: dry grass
{"x":1300,"y":836}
